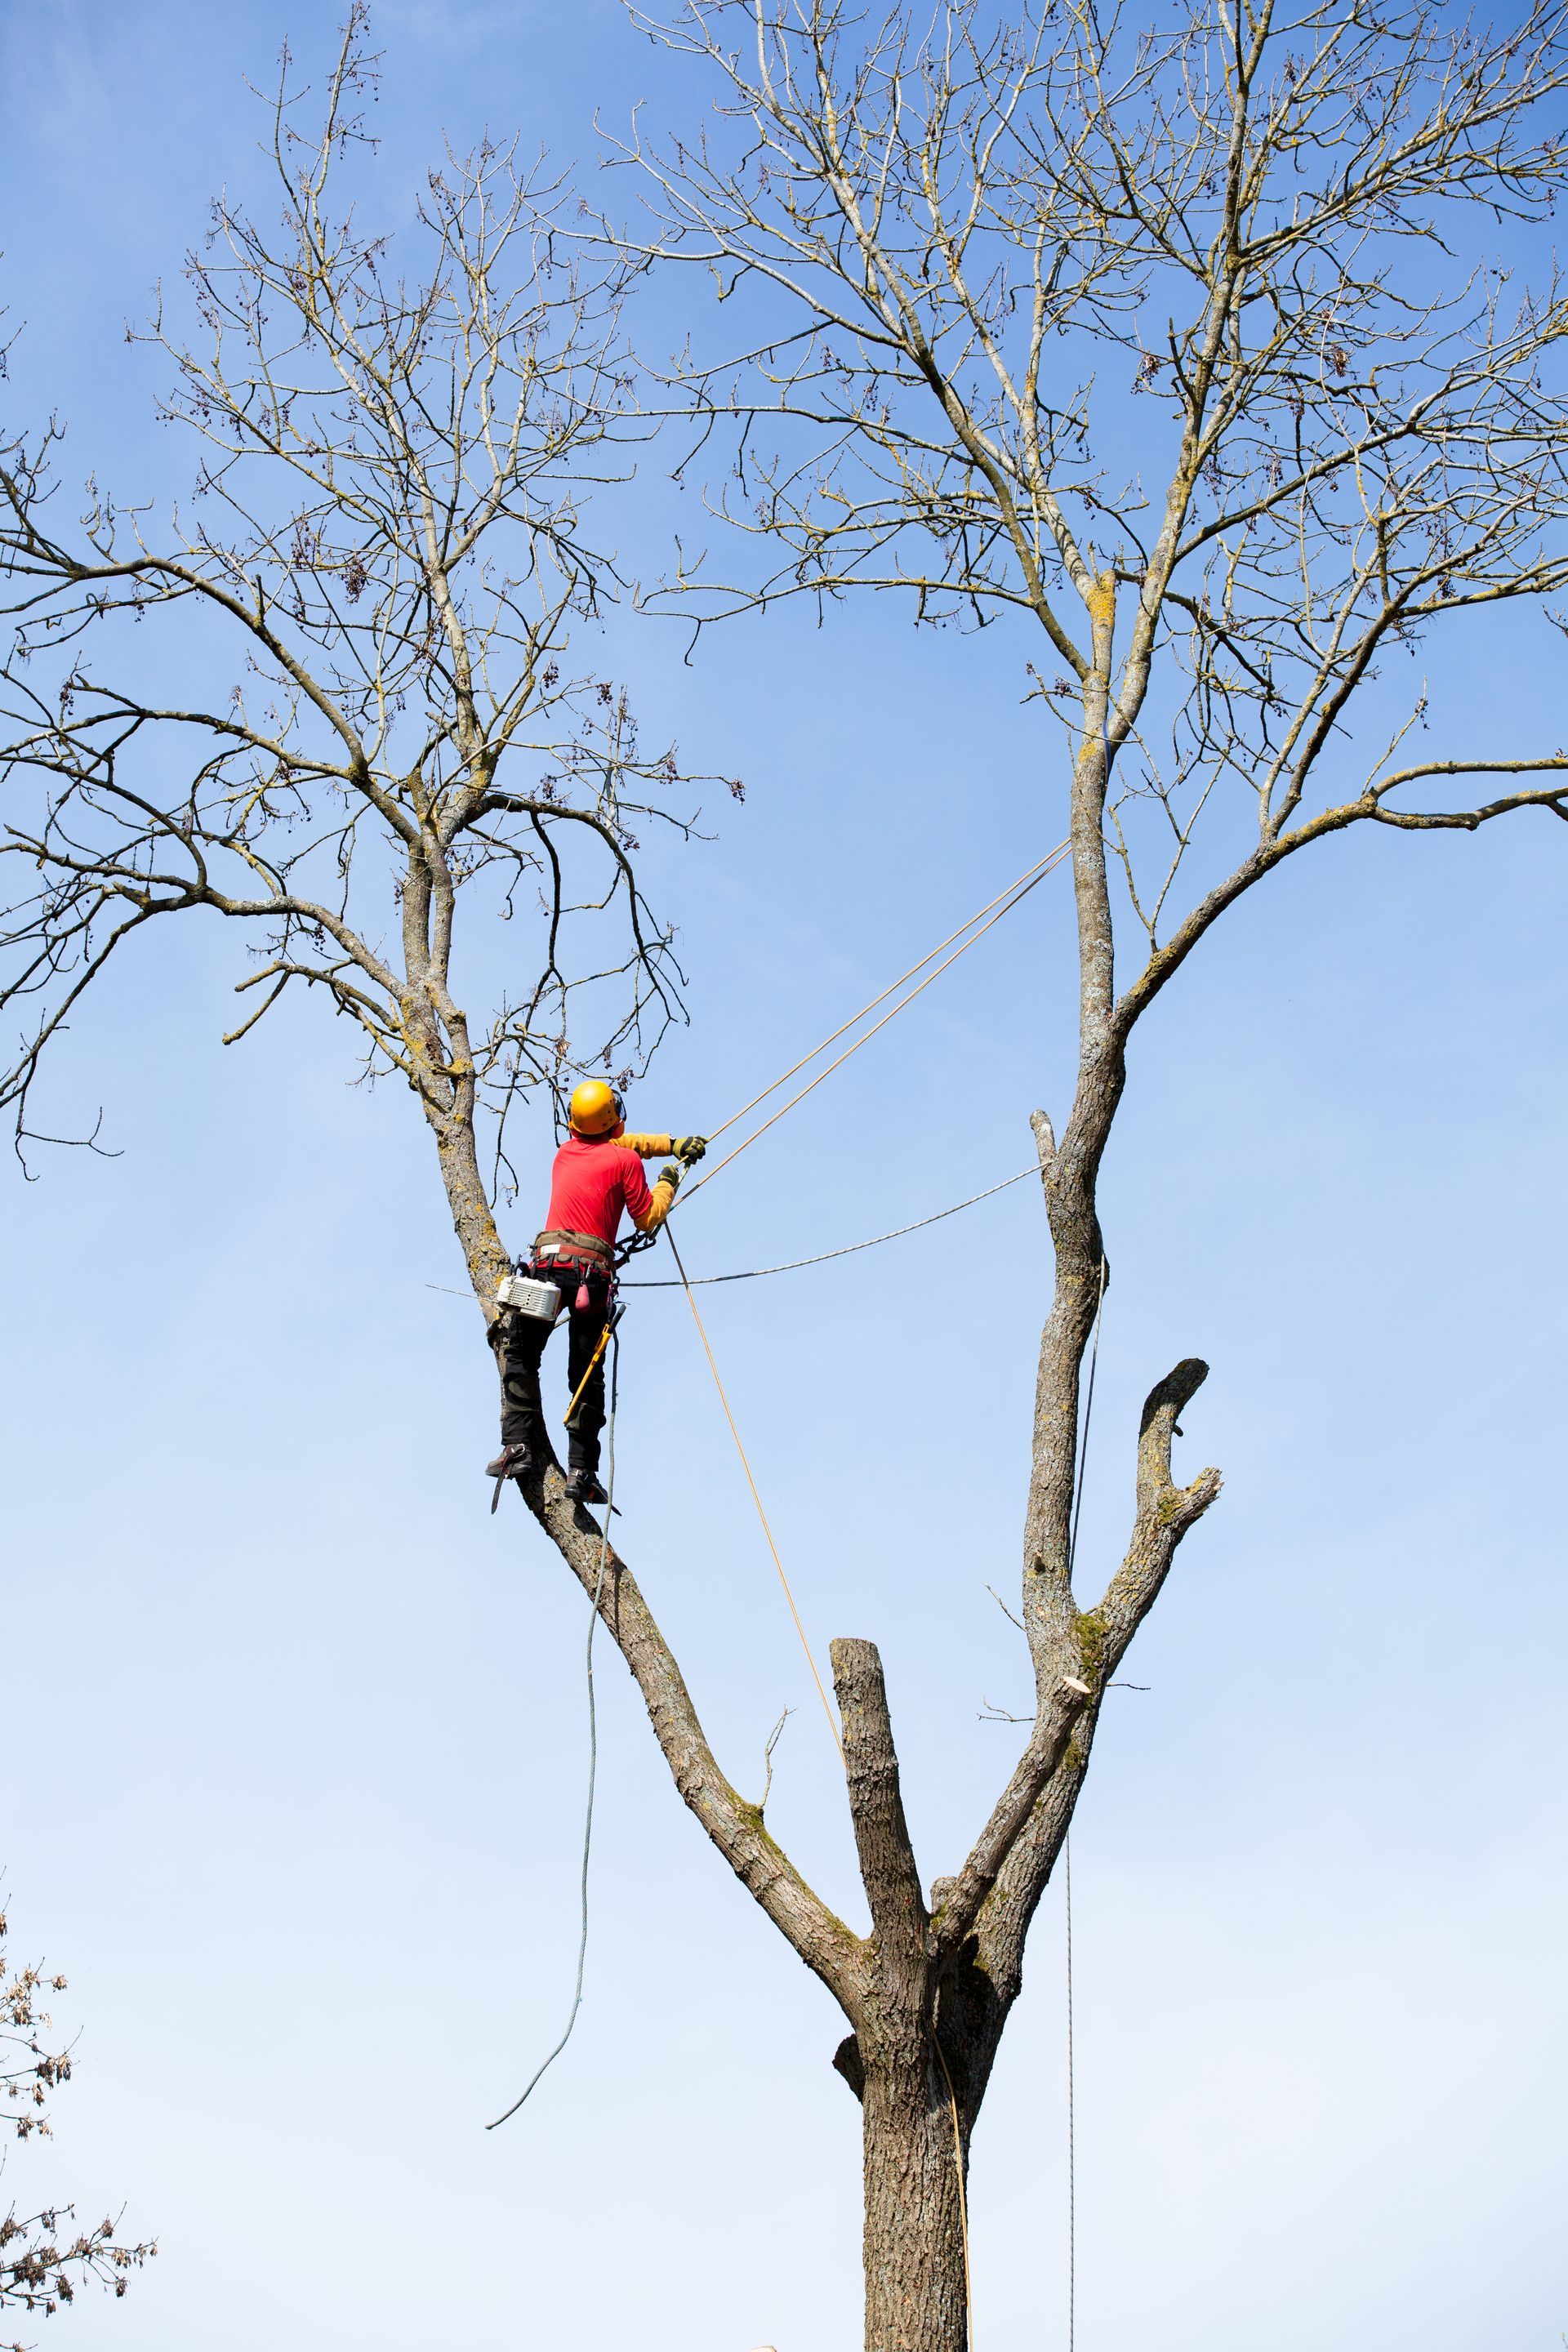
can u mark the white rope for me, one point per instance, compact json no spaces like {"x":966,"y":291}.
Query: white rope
{"x":1072,"y":2121}
{"x":753,"y":1273}
{"x":593,"y":1740}
{"x":1067,"y":1856}
{"x":844,"y":1026}
{"x":1048,"y":866}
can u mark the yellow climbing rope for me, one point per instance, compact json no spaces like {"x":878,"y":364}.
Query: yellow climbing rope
{"x":1030,"y":874}
{"x":976,"y":928}
{"x":789,"y":1596}
{"x":1010,"y":898}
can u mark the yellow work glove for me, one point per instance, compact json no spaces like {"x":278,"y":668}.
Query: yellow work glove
{"x":689,"y":1149}
{"x":670,"y":1174}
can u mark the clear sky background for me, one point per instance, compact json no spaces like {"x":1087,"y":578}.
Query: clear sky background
{"x":294,"y":1731}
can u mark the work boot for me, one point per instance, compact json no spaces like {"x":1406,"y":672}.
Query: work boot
{"x":511,"y":1462}
{"x":583,"y":1487}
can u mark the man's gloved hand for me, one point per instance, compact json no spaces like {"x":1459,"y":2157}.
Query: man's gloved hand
{"x":670,"y":1174}
{"x":689,"y":1149}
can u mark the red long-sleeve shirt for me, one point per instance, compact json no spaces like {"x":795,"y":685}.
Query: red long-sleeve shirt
{"x":594,"y":1178}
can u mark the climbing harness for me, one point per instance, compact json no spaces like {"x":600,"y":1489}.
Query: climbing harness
{"x":592,"y":1745}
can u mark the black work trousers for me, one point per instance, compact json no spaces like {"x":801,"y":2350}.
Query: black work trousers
{"x":520,"y":1347}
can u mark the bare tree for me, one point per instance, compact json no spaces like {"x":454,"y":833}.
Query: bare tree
{"x":385,"y":550}
{"x":1176,"y":343}
{"x":949,"y":236}
{"x":42,"y":2267}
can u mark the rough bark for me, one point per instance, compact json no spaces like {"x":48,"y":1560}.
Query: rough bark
{"x":916,"y":2298}
{"x":915,"y":2285}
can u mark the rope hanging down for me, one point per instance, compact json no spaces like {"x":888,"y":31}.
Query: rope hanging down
{"x":963,"y":2191}
{"x":1010,"y":898}
{"x":592,"y":1743}
{"x":1072,"y":2120}
{"x":789,"y":1596}
{"x":1067,"y":1856}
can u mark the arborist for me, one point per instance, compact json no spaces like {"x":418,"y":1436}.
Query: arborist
{"x":598,"y":1172}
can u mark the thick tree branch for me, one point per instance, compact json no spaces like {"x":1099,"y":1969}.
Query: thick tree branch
{"x":1088,"y":1649}
{"x":823,"y":1941}
{"x":1032,"y":1773}
{"x":1163,"y":964}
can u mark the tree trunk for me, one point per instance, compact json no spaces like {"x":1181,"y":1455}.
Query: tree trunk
{"x":915,"y":2288}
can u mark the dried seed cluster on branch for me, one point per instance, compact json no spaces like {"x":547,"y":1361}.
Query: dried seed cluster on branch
{"x":40,"y":2268}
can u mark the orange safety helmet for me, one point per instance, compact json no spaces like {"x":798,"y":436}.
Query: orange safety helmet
{"x":596,"y":1108}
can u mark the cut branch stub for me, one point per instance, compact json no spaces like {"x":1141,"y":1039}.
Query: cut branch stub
{"x":1165,"y":1512}
{"x":875,"y":1799}
{"x":1157,"y":1424}
{"x":847,"y":2061}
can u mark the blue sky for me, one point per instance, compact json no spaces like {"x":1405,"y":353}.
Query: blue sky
{"x":294,"y":1731}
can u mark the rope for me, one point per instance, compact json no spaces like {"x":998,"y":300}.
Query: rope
{"x":1030,"y":871}
{"x":1072,"y":2123}
{"x":757,"y":1499}
{"x":963,"y":2191}
{"x":753,"y":1273}
{"x":1067,"y":1855}
{"x":1087,"y":1417}
{"x":592,"y":1743}
{"x":1048,"y":866}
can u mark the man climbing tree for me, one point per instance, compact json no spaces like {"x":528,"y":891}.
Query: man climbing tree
{"x":1010,"y":275}
{"x":598,"y":1175}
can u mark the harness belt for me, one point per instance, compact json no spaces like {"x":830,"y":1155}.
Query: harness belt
{"x":574,"y":1245}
